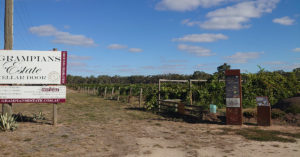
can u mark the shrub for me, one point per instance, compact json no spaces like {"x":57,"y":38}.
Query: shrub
{"x":7,"y":123}
{"x":276,"y":113}
{"x":39,"y":116}
{"x":249,"y":114}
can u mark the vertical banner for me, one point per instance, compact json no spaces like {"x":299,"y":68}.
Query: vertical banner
{"x":233,"y":91}
{"x":263,"y":111}
{"x":64,"y":67}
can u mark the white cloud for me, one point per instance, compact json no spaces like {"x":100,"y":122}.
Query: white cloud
{"x":74,"y":57}
{"x":149,"y":67}
{"x":190,"y":23}
{"x":76,"y":64}
{"x":201,"y":38}
{"x":135,"y":50}
{"x":67,"y":27}
{"x":296,"y":49}
{"x":242,"y":57}
{"x":62,"y":37}
{"x":119,"y":46}
{"x":237,"y":16}
{"x":43,"y":30}
{"x":288,"y":66}
{"x":186,"y":5}
{"x":116,"y":46}
{"x":273,"y":63}
{"x":284,"y":21}
{"x":195,"y":50}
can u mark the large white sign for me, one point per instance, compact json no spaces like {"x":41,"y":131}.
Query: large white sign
{"x":262,"y":101}
{"x":32,"y":94}
{"x":32,"y":67}
{"x":233,"y":102}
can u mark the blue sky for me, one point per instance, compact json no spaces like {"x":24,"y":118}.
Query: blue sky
{"x":147,"y":37}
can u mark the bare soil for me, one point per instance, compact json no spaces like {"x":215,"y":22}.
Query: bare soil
{"x":92,"y":126}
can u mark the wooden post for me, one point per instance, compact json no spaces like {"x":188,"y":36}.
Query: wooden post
{"x":180,"y":108}
{"x":118,"y":98}
{"x":159,"y":95}
{"x":8,"y":25}
{"x":8,"y":42}
{"x":263,"y":111}
{"x":54,"y":114}
{"x":105,"y":92}
{"x":100,"y":92}
{"x":234,"y":114}
{"x":112,"y":93}
{"x":129,"y":97}
{"x":190,"y":92}
{"x":54,"y":106}
{"x":141,"y":97}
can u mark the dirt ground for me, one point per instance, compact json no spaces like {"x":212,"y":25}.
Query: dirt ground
{"x":92,"y":126}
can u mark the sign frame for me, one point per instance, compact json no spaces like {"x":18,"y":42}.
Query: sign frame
{"x":33,"y":94}
{"x":263,"y":102}
{"x":33,"y":67}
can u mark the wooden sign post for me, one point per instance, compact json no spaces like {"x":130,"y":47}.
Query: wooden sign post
{"x":233,"y":97}
{"x":263,"y":111}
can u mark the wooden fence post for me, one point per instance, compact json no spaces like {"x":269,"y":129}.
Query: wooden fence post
{"x":159,"y":95}
{"x":54,"y":107}
{"x":190,"y":92}
{"x":112,"y":93}
{"x":180,"y":108}
{"x":105,"y":92}
{"x":54,"y":114}
{"x":100,"y":92}
{"x":141,"y":97}
{"x":129,"y":97}
{"x":119,"y":93}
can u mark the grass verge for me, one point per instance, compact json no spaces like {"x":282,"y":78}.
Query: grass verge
{"x":263,"y":135}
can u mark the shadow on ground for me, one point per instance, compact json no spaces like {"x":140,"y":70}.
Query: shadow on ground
{"x":31,"y":119}
{"x":194,"y":119}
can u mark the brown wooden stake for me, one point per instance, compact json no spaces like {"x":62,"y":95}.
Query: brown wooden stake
{"x":54,"y":106}
{"x":112,"y":93}
{"x":190,"y":92}
{"x":141,"y":97}
{"x":105,"y":92}
{"x":54,"y":114}
{"x":159,"y":95}
{"x":180,"y":108}
{"x":129,"y":97}
{"x":118,"y":98}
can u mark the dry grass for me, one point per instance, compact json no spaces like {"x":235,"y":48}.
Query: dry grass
{"x":92,"y":126}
